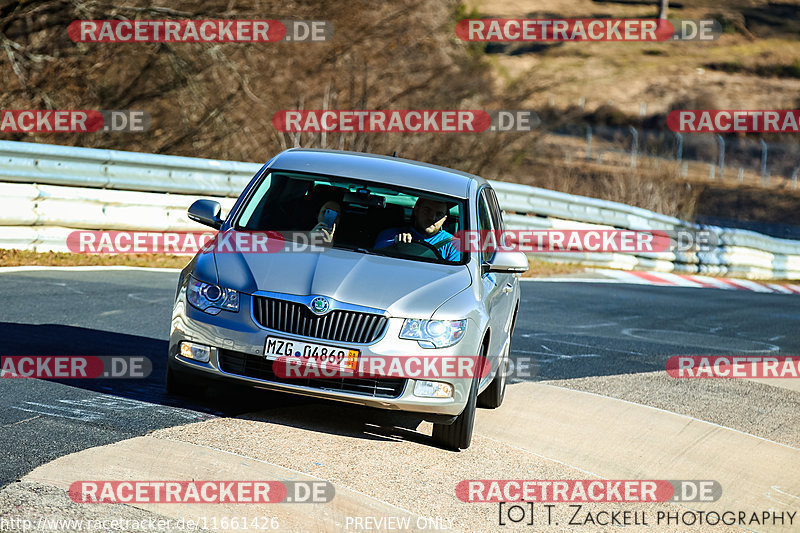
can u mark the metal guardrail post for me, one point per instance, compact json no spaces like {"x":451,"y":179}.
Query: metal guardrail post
{"x":721,"y":155}
{"x":763,"y":162}
{"x":635,"y":146}
{"x":679,"y":149}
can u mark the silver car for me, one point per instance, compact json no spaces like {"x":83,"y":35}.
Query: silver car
{"x":364,"y":292}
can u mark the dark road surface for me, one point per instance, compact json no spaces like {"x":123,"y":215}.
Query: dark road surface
{"x":569,"y":330}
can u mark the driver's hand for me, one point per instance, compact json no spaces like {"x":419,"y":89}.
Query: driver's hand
{"x":403,"y":237}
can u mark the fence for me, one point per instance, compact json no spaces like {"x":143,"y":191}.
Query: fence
{"x":717,"y":156}
{"x":740,"y":252}
{"x":46,"y":191}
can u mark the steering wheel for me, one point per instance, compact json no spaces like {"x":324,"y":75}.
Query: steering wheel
{"x":409,"y":247}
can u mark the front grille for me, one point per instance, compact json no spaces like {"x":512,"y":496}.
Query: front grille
{"x":254,"y":366}
{"x":337,"y":325}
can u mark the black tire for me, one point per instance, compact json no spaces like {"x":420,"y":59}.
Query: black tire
{"x":492,"y":396}
{"x":458,"y":435}
{"x":179,"y":384}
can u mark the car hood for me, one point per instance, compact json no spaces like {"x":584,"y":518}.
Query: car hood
{"x":402,"y":287}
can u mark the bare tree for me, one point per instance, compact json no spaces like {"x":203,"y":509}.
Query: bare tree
{"x":662,"y":10}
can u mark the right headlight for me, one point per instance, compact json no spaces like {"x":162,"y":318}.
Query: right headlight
{"x":433,"y":333}
{"x":211,"y":298}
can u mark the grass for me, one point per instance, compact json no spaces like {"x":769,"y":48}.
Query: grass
{"x":28,"y":258}
{"x":538,"y":268}
{"x":629,"y":73}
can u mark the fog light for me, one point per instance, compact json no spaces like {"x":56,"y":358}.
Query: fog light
{"x":198,"y":352}
{"x":433,"y":389}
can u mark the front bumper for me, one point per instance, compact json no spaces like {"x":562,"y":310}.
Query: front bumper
{"x":237,"y":354}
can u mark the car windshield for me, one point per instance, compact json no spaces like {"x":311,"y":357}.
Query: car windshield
{"x":365,"y":217}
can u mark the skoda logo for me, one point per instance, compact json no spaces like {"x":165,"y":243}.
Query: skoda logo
{"x":320,"y":305}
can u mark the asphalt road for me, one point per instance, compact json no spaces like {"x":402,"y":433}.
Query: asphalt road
{"x":565,"y":330}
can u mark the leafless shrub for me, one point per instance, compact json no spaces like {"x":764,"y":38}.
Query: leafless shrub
{"x":648,"y":188}
{"x":218,"y":100}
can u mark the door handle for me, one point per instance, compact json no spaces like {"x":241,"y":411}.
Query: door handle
{"x":508,"y":288}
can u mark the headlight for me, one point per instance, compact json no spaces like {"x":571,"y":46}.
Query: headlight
{"x":211,"y":298}
{"x":433,"y":333}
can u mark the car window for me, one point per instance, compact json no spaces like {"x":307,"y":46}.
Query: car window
{"x":496,"y":212}
{"x":485,"y":223}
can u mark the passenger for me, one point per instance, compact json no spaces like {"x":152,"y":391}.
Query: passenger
{"x":427,"y":220}
{"x":322,"y":230}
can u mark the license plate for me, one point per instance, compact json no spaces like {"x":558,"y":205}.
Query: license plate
{"x":312,"y":354}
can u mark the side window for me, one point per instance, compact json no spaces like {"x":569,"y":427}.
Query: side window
{"x":494,"y":206}
{"x":484,"y":223}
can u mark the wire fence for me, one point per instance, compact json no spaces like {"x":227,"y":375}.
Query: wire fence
{"x":725,"y":158}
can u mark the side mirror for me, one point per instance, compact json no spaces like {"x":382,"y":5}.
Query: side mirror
{"x":206,"y":212}
{"x":508,"y":263}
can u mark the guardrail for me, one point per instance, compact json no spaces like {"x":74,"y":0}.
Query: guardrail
{"x":129,"y":171}
{"x":740,"y":252}
{"x":47,"y":190}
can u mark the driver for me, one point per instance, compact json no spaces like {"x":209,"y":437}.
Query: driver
{"x":427,"y":220}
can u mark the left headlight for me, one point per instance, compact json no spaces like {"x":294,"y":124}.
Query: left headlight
{"x":211,"y":298}
{"x":433,"y":333}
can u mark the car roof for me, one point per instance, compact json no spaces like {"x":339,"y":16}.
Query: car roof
{"x":378,"y":168}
